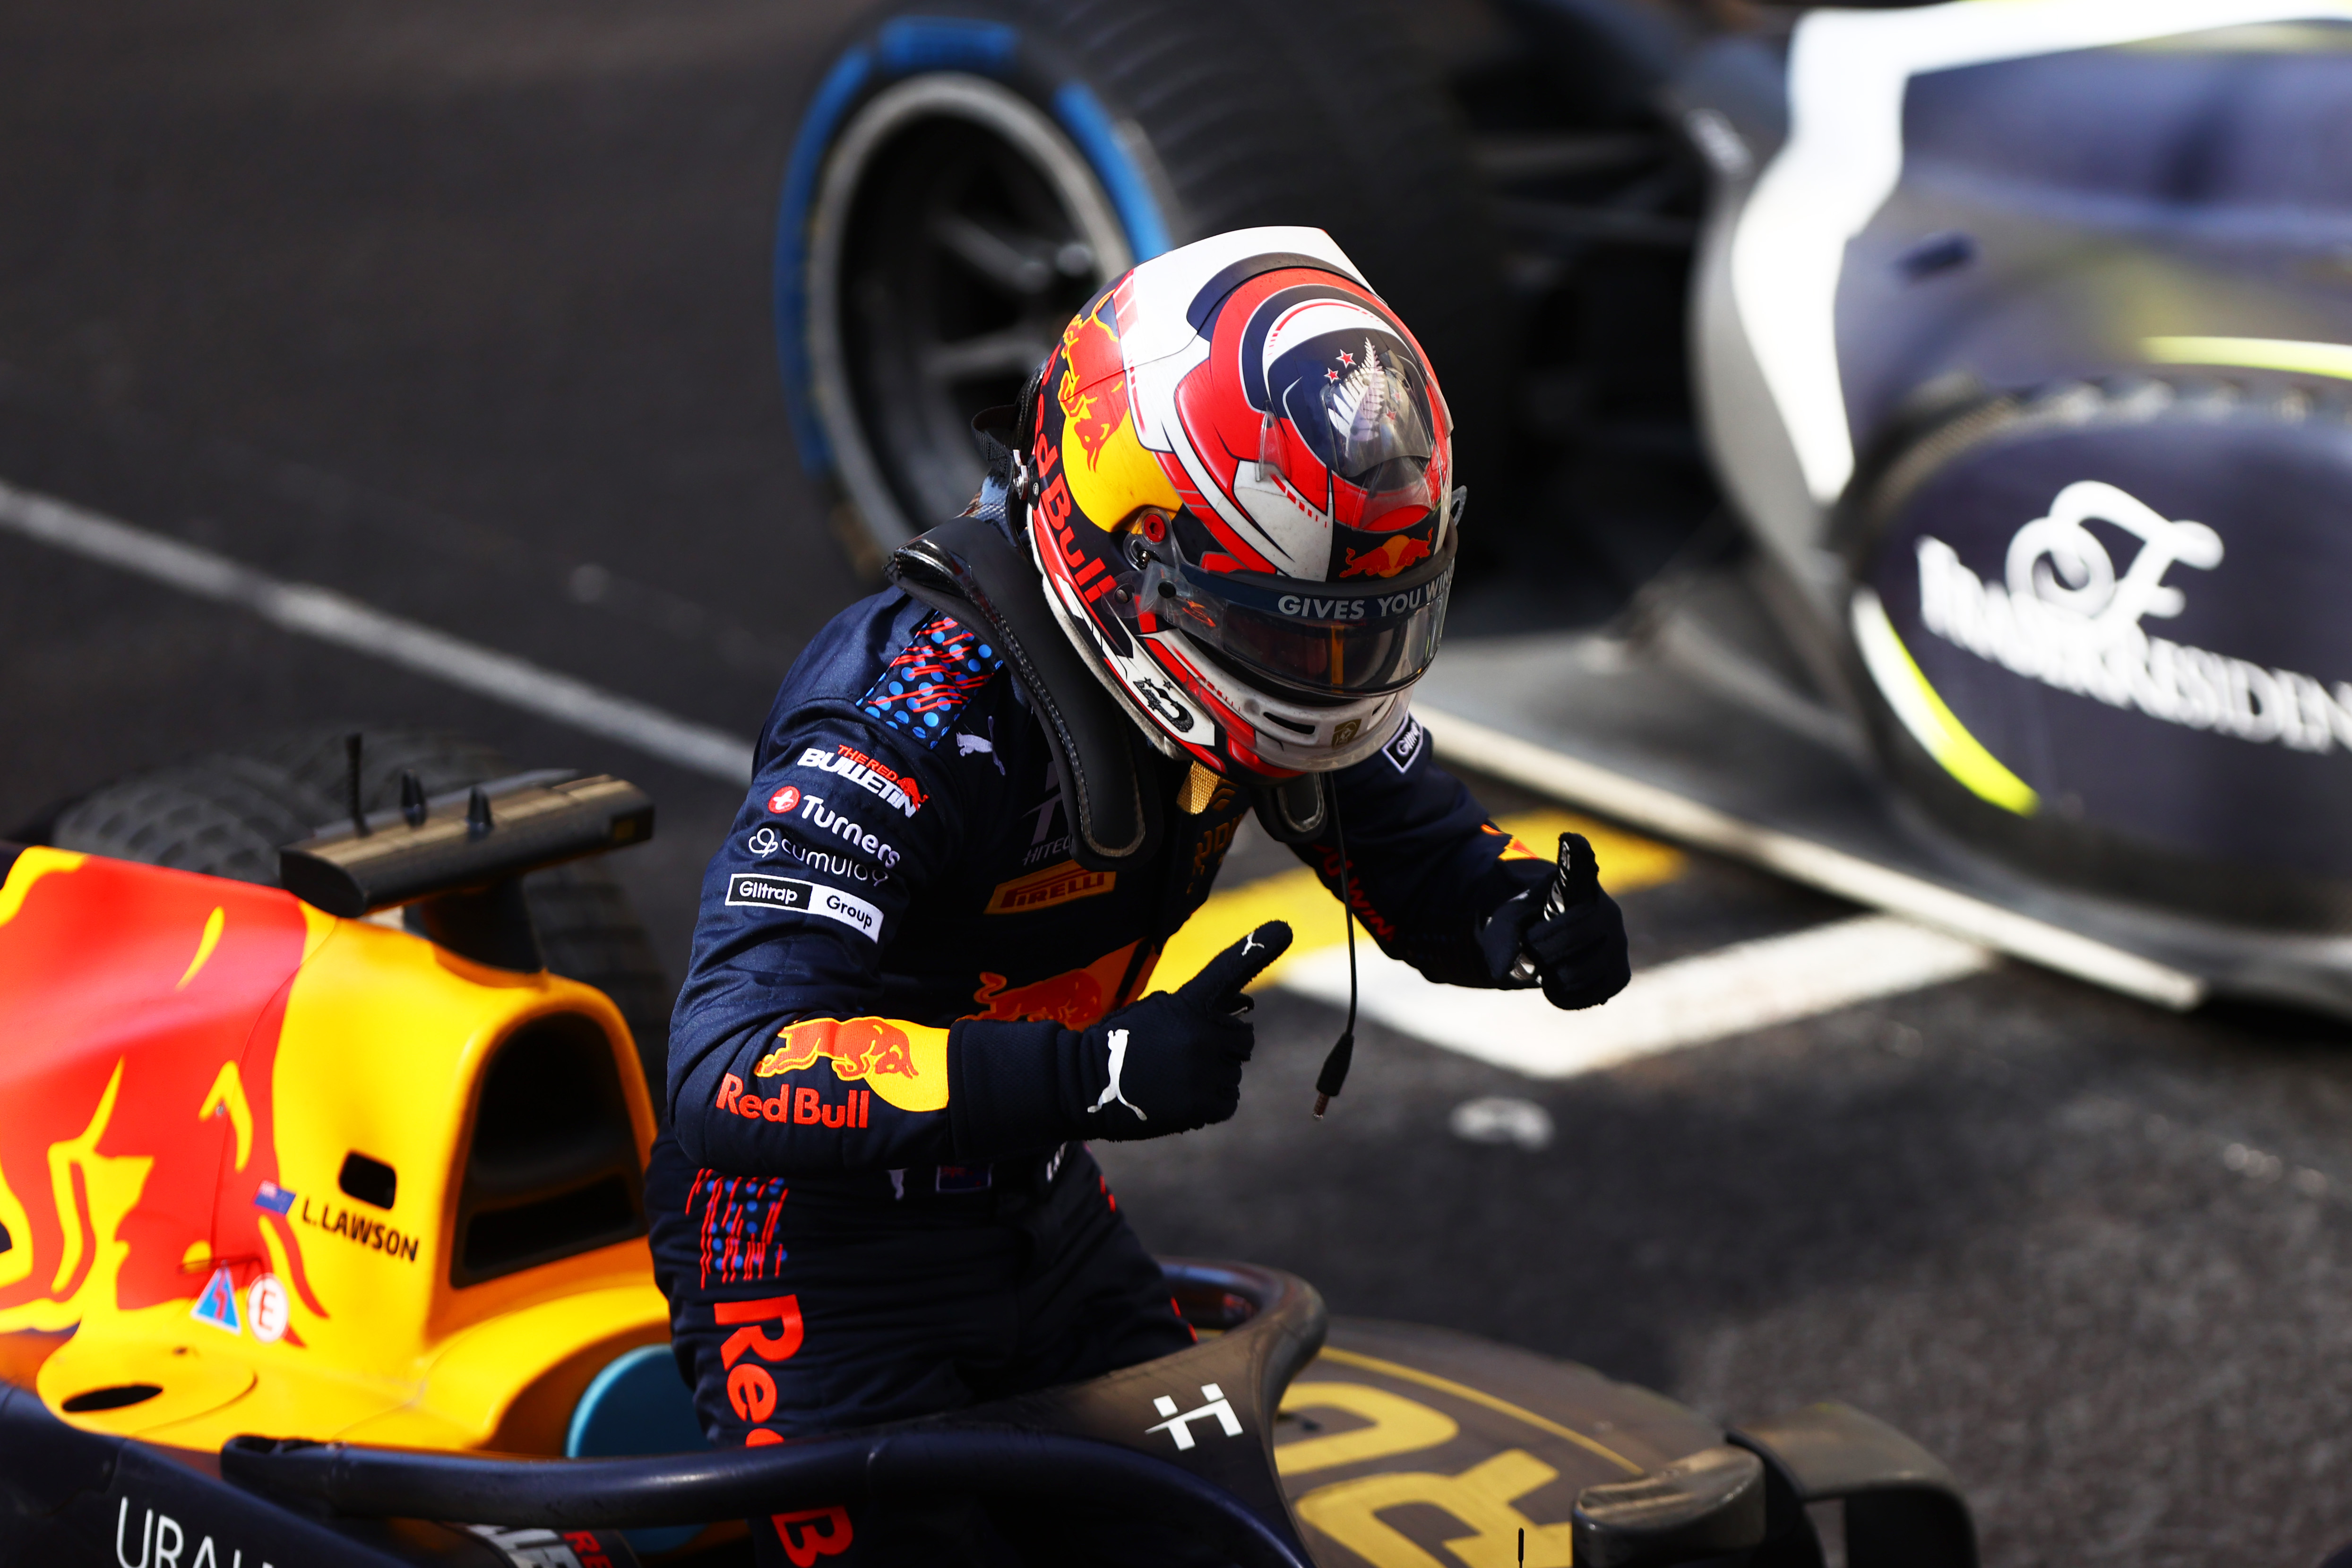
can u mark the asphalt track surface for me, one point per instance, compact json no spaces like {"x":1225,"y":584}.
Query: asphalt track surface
{"x":462,"y":311}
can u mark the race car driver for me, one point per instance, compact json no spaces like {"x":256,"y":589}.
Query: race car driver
{"x":918,"y":988}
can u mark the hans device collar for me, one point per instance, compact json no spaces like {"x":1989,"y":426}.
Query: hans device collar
{"x":967,"y":569}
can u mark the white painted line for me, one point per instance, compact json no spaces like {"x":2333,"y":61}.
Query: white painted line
{"x":1748,"y":985}
{"x":330,"y":616}
{"x":1670,"y":815}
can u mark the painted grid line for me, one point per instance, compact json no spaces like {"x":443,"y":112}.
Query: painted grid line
{"x":1654,"y":809}
{"x":307,"y":610}
{"x":1733,"y":989}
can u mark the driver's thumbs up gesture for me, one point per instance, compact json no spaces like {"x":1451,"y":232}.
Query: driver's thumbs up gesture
{"x":1569,"y":937}
{"x":1168,"y":1063}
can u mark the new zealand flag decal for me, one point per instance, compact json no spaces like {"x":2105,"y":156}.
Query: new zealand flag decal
{"x":932,"y":677}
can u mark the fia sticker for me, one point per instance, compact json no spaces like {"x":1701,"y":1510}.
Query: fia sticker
{"x":266,"y":1308}
{"x":217,"y":1304}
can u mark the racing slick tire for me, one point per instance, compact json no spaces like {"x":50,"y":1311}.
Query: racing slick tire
{"x":968,"y":172}
{"x":226,"y":814}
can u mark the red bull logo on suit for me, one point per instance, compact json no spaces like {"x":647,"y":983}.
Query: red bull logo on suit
{"x":1076,"y":999}
{"x":905,"y":1064}
{"x":856,"y":1046}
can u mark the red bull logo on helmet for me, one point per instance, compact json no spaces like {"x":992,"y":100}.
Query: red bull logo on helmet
{"x":1093,"y":390}
{"x":1108,"y":470}
{"x":1386,"y":560}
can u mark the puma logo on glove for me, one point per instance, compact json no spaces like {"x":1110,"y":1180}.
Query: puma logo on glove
{"x":1180,"y":1052}
{"x":1111,"y":1094}
{"x":1018,"y":1086}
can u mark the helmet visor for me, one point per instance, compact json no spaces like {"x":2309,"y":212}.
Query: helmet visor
{"x":1371,"y":428}
{"x":1316,"y":640}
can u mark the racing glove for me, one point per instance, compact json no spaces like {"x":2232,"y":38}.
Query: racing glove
{"x":1168,"y":1063}
{"x":1567,"y":936}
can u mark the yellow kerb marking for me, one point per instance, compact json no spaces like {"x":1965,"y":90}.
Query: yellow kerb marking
{"x":1628,"y":862}
{"x":1479,"y":1396}
{"x":205,"y":945}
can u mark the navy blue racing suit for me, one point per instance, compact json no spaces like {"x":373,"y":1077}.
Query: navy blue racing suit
{"x":842,"y":1239}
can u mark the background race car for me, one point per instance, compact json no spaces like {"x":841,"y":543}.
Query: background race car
{"x":1940,"y":409}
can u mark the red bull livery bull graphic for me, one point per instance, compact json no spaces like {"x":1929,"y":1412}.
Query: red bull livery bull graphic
{"x":195,"y":1067}
{"x":1385,"y":560}
{"x":136,"y":1144}
{"x":1107,"y":467}
{"x":905,"y":1064}
{"x":1076,"y":1000}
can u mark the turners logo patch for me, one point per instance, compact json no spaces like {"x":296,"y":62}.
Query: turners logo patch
{"x":1059,"y":884}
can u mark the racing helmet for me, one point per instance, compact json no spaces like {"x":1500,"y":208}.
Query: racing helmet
{"x":1233,"y":471}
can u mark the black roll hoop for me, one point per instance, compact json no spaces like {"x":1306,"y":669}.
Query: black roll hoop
{"x":967,"y":569}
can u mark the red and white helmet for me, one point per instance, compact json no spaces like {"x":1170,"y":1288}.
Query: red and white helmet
{"x":1236,"y":472}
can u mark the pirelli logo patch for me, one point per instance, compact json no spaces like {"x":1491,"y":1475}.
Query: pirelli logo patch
{"x":752,"y":888}
{"x":1059,"y":884}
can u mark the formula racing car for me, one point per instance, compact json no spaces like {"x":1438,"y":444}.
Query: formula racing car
{"x":1908,"y":442}
{"x":322,"y":1242}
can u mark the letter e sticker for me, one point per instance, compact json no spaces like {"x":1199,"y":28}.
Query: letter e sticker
{"x":267,"y":1308}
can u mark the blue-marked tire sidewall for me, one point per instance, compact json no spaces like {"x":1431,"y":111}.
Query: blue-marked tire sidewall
{"x":992,"y":72}
{"x":1187,"y":117}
